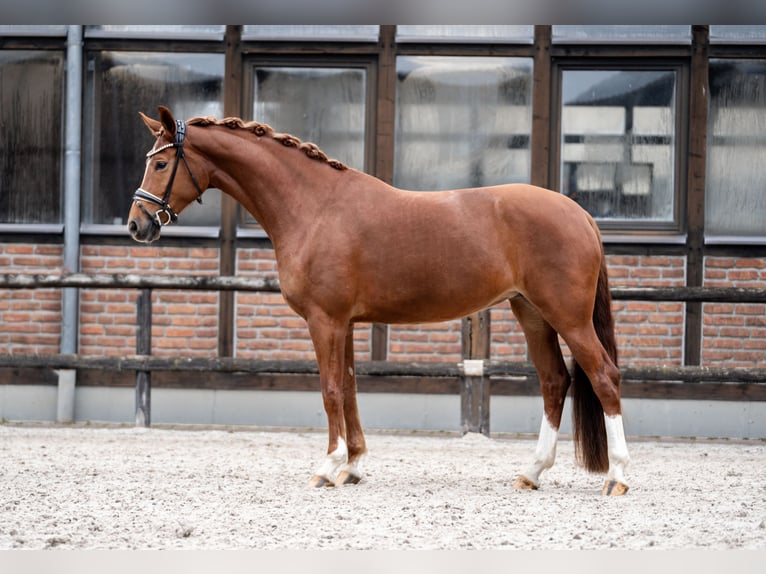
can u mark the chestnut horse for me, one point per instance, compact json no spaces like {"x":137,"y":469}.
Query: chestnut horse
{"x":351,"y":248}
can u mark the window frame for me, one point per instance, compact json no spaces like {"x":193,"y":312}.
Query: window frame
{"x":630,"y":230}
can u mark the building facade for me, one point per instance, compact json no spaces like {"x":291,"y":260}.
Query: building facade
{"x":658,"y":131}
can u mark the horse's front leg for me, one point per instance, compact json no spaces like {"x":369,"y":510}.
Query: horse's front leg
{"x":350,"y":473}
{"x":329,"y":338}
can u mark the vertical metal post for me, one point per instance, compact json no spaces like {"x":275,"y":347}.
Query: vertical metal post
{"x":71,"y":257}
{"x":144,"y":347}
{"x":474,"y":386}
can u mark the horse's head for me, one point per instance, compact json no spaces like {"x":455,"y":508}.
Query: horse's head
{"x":162,"y":195}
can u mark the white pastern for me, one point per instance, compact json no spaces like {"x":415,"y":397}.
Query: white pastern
{"x":353,"y":468}
{"x":332,"y":463}
{"x":545,"y":452}
{"x":618,"y":449}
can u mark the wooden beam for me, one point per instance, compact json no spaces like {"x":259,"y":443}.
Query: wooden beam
{"x":232,"y":106}
{"x":695,"y":196}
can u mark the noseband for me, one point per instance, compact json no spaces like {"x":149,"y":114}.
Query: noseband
{"x":164,"y":202}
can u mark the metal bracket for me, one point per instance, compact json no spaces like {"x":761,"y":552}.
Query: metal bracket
{"x":473,"y":367}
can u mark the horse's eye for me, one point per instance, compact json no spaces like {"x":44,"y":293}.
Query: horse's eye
{"x":160,"y":165}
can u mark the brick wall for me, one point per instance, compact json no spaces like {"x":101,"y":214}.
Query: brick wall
{"x":734,"y":334}
{"x":648,"y":333}
{"x":266,"y":327}
{"x":182,"y":321}
{"x":30,"y":319}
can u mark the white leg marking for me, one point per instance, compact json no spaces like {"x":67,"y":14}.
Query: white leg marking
{"x":353,"y":468}
{"x":545,"y":452}
{"x":618,"y":449}
{"x":332,"y":463}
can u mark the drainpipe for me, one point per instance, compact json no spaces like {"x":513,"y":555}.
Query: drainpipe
{"x":70,"y":296}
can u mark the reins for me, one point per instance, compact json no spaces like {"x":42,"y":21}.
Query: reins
{"x":164,"y":202}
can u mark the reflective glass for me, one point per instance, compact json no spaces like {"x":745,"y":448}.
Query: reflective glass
{"x":119,"y":85}
{"x":661,"y":34}
{"x":152,"y":31}
{"x":325,"y":106}
{"x":31,"y":136}
{"x":311,"y":32}
{"x":618,"y":142}
{"x":737,"y":34}
{"x":466,"y":33}
{"x":735,"y":199}
{"x":462,"y":121}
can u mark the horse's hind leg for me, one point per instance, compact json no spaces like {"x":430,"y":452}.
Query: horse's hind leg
{"x":350,"y":472}
{"x":545,"y":352}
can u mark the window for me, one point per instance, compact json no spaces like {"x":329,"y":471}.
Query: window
{"x":462,"y":121}
{"x":324,"y":32}
{"x":119,"y":85}
{"x":323,"y":104}
{"x":164,"y":31}
{"x":623,"y":34}
{"x":31,"y":136}
{"x":523,"y":34}
{"x":735,"y":202}
{"x":618,"y":144}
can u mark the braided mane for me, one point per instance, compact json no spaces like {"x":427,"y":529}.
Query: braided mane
{"x":263,"y":130}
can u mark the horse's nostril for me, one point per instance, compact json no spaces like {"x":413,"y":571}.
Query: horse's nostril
{"x":132,"y":226}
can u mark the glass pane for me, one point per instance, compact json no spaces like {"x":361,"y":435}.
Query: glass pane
{"x":119,"y":85}
{"x":170,"y":31}
{"x":325,"y":106}
{"x":462,"y":122}
{"x":31,"y":136}
{"x":32,"y":30}
{"x":618,"y":143}
{"x":366,"y":33}
{"x":623,"y":34}
{"x":462,"y":33}
{"x":737,"y":34}
{"x":735,"y":201}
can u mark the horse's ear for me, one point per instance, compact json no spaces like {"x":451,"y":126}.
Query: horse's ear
{"x":168,"y":122}
{"x":153,"y":125}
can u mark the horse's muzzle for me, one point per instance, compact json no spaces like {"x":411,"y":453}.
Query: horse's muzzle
{"x":143,"y":229}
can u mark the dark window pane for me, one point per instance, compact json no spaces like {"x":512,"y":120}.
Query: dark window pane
{"x":462,"y":122}
{"x":31,"y":135}
{"x":618,"y":143}
{"x":119,"y":85}
{"x":735,"y":200}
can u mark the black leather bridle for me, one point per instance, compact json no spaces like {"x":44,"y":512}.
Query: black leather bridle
{"x":164,"y":202}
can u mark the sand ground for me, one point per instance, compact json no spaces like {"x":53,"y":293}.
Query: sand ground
{"x":126,"y":488}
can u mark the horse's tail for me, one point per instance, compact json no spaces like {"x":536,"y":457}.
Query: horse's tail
{"x":587,"y":412}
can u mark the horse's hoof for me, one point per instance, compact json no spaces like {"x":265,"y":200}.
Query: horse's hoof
{"x":318,"y":481}
{"x":346,"y":477}
{"x":523,"y":483}
{"x":614,"y":488}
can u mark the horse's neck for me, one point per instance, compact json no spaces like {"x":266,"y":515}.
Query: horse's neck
{"x":279,"y":186}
